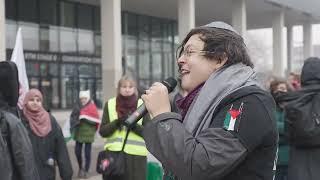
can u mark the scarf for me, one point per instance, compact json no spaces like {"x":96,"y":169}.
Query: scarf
{"x":39,"y":119}
{"x":90,"y":112}
{"x":220,"y":84}
{"x":184,"y":103}
{"x":126,"y":105}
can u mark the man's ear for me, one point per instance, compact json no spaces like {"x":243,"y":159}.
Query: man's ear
{"x":222,"y":60}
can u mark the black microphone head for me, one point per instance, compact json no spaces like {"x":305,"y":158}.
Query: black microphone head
{"x":170,"y":83}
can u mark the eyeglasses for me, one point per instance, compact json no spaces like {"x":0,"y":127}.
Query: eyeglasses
{"x":188,"y":52}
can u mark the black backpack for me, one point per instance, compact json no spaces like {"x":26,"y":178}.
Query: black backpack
{"x":303,"y":120}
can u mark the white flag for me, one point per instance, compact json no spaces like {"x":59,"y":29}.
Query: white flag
{"x":18,"y":58}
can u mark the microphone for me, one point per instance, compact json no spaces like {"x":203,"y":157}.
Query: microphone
{"x":170,"y":83}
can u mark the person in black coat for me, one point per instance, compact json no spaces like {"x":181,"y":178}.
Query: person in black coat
{"x":226,"y":128}
{"x":304,"y":160}
{"x":46,"y":137}
{"x":17,"y":161}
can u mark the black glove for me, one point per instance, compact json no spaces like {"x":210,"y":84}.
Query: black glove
{"x":120,"y":121}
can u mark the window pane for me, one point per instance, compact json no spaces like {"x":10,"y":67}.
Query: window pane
{"x":68,"y":40}
{"x":156,"y":66}
{"x":44,"y":69}
{"x":130,"y":55}
{"x":27,"y":10}
{"x":98,"y":71}
{"x":97,"y":41}
{"x":69,"y":92}
{"x":144,"y":60}
{"x":53,"y":69}
{"x":99,"y":95}
{"x":48,"y":12}
{"x":156,"y":34}
{"x":49,"y":38}
{"x":96,"y":19}
{"x":68,"y":70}
{"x":67,"y":14}
{"x":11,"y":31}
{"x":85,"y":42}
{"x":30,"y":34}
{"x":132,"y":25}
{"x":11,"y":9}
{"x":55,"y":93}
{"x":86,"y":70}
{"x":85,"y":16}
{"x":32,"y":68}
{"x":144,"y":27}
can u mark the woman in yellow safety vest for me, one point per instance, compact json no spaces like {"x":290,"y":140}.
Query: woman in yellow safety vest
{"x":116,"y":110}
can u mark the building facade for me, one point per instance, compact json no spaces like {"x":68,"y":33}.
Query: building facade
{"x":62,"y":44}
{"x":72,"y":45}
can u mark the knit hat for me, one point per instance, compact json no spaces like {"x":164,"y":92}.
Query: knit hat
{"x":84,"y":94}
{"x":221,"y":25}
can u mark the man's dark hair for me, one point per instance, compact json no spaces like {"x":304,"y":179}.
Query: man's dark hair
{"x":220,"y":44}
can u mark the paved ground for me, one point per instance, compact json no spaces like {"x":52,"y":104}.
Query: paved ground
{"x":61,"y":116}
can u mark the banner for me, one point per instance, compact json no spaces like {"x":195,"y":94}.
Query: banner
{"x":18,"y":58}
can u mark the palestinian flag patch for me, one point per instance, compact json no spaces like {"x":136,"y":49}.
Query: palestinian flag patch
{"x":232,"y":117}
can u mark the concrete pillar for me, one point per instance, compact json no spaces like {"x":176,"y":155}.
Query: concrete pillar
{"x":186,"y":17}
{"x":111,"y":46}
{"x":289,"y":48}
{"x":2,"y":31}
{"x":278,"y":44}
{"x":239,"y":16}
{"x":307,"y":40}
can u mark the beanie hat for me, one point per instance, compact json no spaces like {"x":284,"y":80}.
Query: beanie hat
{"x":84,"y":94}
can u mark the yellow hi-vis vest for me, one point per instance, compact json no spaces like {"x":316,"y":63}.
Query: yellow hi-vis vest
{"x":135,"y":144}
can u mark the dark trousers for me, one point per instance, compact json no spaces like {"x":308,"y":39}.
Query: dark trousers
{"x":87,"y":154}
{"x":282,"y":172}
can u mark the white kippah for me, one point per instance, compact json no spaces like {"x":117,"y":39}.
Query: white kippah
{"x":221,"y":25}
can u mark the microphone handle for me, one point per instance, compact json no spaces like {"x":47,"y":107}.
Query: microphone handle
{"x":136,"y":115}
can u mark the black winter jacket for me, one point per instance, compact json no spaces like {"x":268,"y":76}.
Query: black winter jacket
{"x":17,"y":161}
{"x":247,"y":152}
{"x":52,"y":146}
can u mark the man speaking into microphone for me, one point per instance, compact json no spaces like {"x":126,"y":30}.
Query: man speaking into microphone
{"x":226,"y":129}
